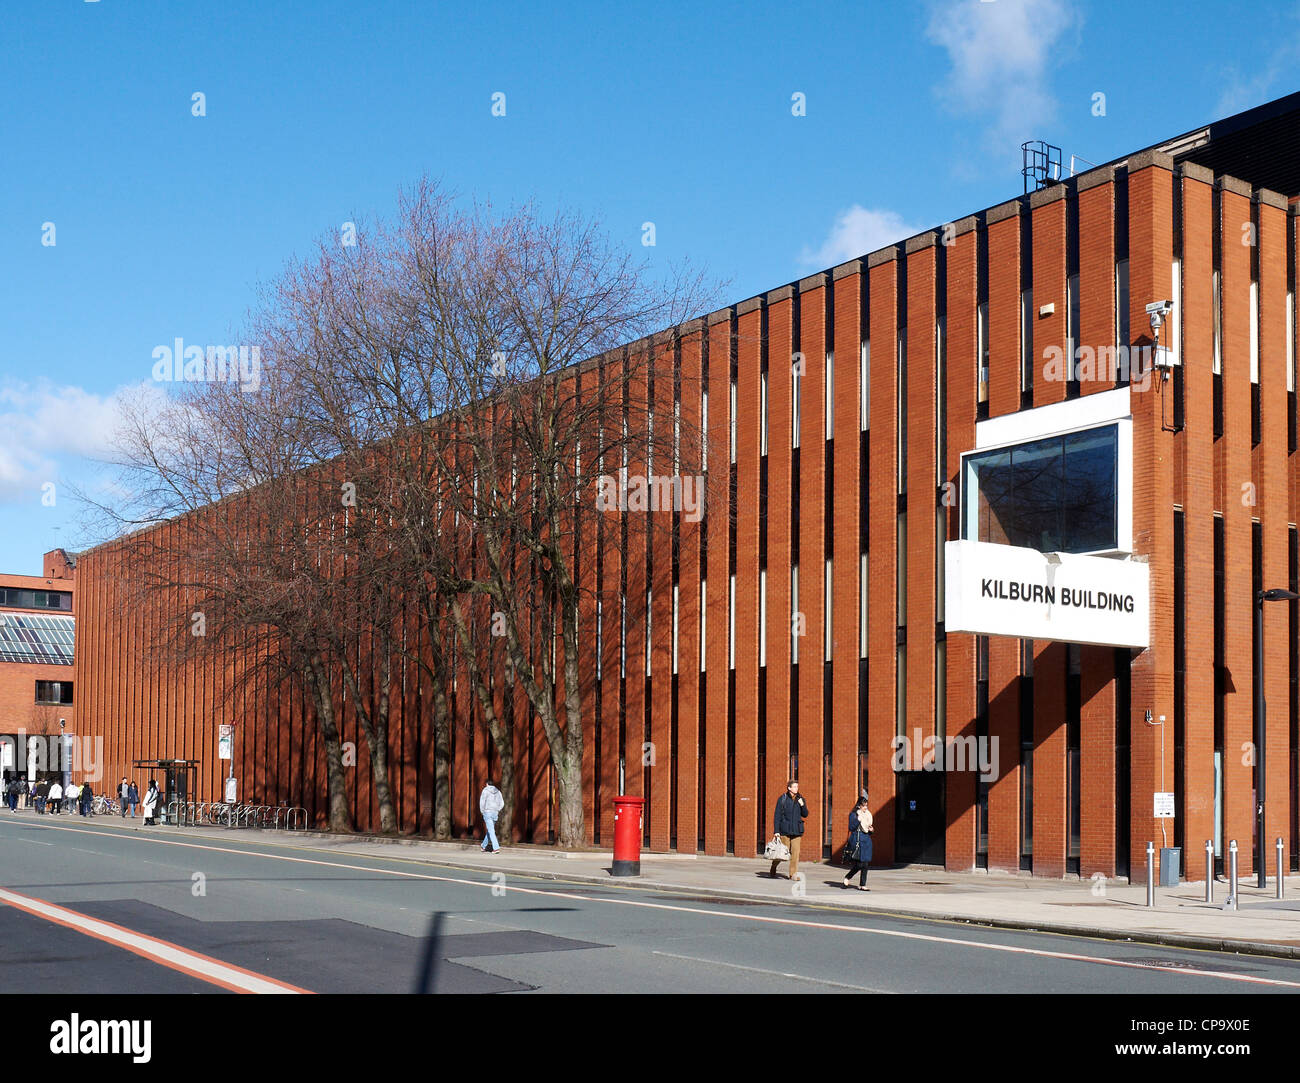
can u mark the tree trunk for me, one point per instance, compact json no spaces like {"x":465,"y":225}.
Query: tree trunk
{"x":339,"y":816}
{"x":441,"y":762}
{"x":568,"y":774}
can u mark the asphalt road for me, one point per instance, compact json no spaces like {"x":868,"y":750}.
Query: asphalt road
{"x":123,"y":909}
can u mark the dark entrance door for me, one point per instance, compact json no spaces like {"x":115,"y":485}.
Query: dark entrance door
{"x":919,"y":819}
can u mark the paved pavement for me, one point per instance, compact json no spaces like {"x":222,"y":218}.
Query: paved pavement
{"x":1113,"y":909}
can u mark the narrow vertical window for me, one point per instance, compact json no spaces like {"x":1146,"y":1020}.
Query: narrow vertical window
{"x":1072,"y":328}
{"x":828,"y":623}
{"x":862,"y":605}
{"x":864,"y":389}
{"x":828,"y":405}
{"x":762,"y":617}
{"x":762,"y":419}
{"x":983,"y":381}
{"x":731,"y":623}
{"x":1026,"y":340}
{"x":796,"y":401}
{"x":1121,"y":303}
{"x":1173,"y":336}
{"x":1254,"y":332}
{"x":1216,"y":288}
{"x":900,"y":398}
{"x":1290,"y":341}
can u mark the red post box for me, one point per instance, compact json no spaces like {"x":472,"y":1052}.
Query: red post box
{"x":628,"y":827}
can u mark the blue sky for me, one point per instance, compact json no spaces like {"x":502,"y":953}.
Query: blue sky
{"x":679,"y":114}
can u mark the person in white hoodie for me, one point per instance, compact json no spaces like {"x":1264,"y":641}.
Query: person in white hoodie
{"x":490,"y":804}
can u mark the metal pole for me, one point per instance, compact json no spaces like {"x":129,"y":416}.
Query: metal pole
{"x":1151,"y":874}
{"x":1280,"y":889}
{"x":1260,"y":863}
{"x":1232,"y":873}
{"x":1209,"y":871}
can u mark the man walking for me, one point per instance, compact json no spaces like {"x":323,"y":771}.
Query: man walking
{"x":791,"y":811}
{"x":490,"y":804}
{"x":56,"y":796}
{"x":123,"y":795}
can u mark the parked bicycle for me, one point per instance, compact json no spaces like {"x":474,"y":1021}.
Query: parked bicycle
{"x":104,"y":806}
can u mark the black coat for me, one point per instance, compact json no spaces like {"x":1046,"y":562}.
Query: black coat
{"x":790,"y":815}
{"x":858,"y":836}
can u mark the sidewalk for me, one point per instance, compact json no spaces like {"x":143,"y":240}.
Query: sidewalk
{"x":1111,"y":910}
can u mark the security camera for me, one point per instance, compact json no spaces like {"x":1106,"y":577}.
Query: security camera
{"x":1158,"y":310}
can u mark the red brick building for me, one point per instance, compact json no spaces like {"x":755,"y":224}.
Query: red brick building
{"x":994,"y":531}
{"x":36,"y":652}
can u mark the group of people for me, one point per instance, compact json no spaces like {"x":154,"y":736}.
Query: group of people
{"x":49,"y":795}
{"x":792,"y":810}
{"x":128,"y":795}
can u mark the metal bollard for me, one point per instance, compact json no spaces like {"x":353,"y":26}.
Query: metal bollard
{"x":1209,"y":870}
{"x":1280,"y":871}
{"x":1151,"y":874}
{"x":1232,"y":874}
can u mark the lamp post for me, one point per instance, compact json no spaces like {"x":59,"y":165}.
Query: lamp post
{"x":1261,"y":597}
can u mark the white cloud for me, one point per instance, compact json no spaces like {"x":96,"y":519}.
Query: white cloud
{"x":1246,"y":91}
{"x":1001,"y":54}
{"x":43,"y":427}
{"x":856,"y":232}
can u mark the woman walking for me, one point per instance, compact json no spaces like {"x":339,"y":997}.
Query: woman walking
{"x":150,"y":800}
{"x":858,"y":850}
{"x":133,"y":797}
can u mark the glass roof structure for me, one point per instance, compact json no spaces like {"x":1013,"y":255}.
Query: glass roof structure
{"x":36,"y":638}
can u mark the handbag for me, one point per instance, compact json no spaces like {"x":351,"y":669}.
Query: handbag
{"x":776,"y":850}
{"x":853,"y":848}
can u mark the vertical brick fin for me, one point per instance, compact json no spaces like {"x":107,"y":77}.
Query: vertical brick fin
{"x":690,"y":578}
{"x":1004,"y":728}
{"x":1274,"y":514}
{"x":1004,"y":308}
{"x":1198,"y":510}
{"x":882,"y":607}
{"x":1150,"y":258}
{"x":780,"y":492}
{"x":812,"y":557}
{"x":1049,"y":216}
{"x":638,"y":527}
{"x":1097,"y":708}
{"x":960,"y":393}
{"x":1096,"y":332}
{"x":922,"y":422}
{"x":846,"y":562}
{"x":1238,"y":593}
{"x":1051,"y":823}
{"x":586,"y":547}
{"x":611,"y":606}
{"x":660,"y":523}
{"x":748,"y":410}
{"x":717,"y":632}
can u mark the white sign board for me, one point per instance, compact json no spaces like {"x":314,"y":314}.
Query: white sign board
{"x":230,"y":797}
{"x":1164,"y":806}
{"x":1005,"y":590}
{"x":225,"y":741}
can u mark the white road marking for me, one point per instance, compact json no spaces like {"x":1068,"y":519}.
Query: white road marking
{"x":1043,"y":953}
{"x":775,"y":973}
